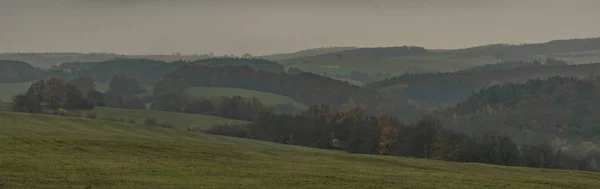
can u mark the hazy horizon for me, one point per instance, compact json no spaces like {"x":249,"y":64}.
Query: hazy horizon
{"x":267,"y":26}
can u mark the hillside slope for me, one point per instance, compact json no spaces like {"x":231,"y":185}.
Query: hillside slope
{"x":181,"y":121}
{"x":41,"y":151}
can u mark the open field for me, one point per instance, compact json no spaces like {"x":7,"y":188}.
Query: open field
{"x":177,"y":120}
{"x":268,"y":99}
{"x":42,"y":151}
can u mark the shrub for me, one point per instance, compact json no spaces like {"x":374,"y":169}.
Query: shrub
{"x":132,"y":121}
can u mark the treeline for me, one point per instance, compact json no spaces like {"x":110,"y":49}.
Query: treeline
{"x":55,"y":95}
{"x":357,"y":132}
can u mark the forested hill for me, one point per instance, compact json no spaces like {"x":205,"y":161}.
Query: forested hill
{"x":530,"y":51}
{"x":451,"y":87}
{"x":560,"y":111}
{"x":15,"y":71}
{"x":563,"y":106}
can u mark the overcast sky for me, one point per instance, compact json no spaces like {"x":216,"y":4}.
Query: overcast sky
{"x":270,"y":26}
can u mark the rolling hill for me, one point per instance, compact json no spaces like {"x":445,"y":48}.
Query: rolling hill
{"x":269,"y":99}
{"x":42,"y":151}
{"x":384,"y":60}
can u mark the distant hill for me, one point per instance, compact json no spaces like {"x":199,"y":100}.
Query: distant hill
{"x":17,"y":71}
{"x":432,"y":89}
{"x":530,"y":51}
{"x":377,"y":52}
{"x":563,"y":107}
{"x":305,"y":53}
{"x":148,"y":71}
{"x":382,"y":61}
{"x":47,"y":60}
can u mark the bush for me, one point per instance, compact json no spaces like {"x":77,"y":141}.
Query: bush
{"x":122,"y":120}
{"x":150,"y":121}
{"x":91,"y":116}
{"x":132,"y":121}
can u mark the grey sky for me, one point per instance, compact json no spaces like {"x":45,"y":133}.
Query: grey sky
{"x":271,"y":26}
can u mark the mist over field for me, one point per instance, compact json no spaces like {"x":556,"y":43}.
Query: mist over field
{"x":264,"y":27}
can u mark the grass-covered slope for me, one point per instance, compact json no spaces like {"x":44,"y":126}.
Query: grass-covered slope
{"x":269,"y":99}
{"x":177,"y":120}
{"x":42,"y":151}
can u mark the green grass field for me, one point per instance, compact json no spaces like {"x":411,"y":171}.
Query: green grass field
{"x":268,"y":99}
{"x":177,"y":120}
{"x":43,"y":151}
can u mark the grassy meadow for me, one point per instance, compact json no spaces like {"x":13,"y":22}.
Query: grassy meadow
{"x":268,"y":99}
{"x":177,"y":120}
{"x":43,"y":151}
